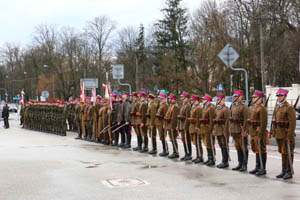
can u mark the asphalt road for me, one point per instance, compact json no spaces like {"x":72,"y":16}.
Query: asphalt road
{"x":35,"y":165}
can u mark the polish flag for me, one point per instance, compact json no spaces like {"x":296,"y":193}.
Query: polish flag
{"x":82,"y":92}
{"x":94,"y":96}
{"x":22,"y":98}
{"x":104,"y":86}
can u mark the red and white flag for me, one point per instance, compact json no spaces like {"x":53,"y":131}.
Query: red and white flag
{"x":104,"y":86}
{"x":82,"y":92}
{"x":94,"y":96}
{"x":22,"y":98}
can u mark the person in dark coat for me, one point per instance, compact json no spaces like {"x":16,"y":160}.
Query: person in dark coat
{"x":5,"y":115}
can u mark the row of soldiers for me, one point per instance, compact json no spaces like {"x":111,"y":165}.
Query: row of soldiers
{"x":198,"y":122}
{"x":47,"y":117}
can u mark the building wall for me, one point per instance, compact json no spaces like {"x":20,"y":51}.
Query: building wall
{"x":294,"y":92}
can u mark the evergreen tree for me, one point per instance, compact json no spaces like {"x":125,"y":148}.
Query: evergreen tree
{"x":171,"y":41}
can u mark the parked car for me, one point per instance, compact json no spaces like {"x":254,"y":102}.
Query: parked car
{"x":12,"y":107}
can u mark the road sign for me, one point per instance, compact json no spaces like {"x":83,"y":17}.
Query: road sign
{"x":17,"y":98}
{"x":118,"y":71}
{"x":45,"y":94}
{"x":89,"y":83}
{"x":220,"y":87}
{"x":228,"y":55}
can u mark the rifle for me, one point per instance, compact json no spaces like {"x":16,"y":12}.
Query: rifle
{"x":213,"y":148}
{"x":249,"y":104}
{"x":266,"y":103}
{"x":295,"y":105}
{"x":289,"y":146}
{"x":119,"y":127}
{"x":260,"y":155}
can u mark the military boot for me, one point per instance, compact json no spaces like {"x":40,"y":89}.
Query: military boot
{"x":263,"y":170}
{"x":189,"y":149}
{"x":185,"y":152}
{"x":245,"y":162}
{"x":122,"y":140}
{"x":288,"y":174}
{"x":145,"y":149}
{"x":175,"y":153}
{"x":128,"y":140}
{"x":78,"y":137}
{"x":116,"y":139}
{"x":207,"y":157}
{"x":257,"y":165}
{"x":199,"y":158}
{"x":165,"y":151}
{"x":224,"y":163}
{"x":210,"y":156}
{"x":139,"y":143}
{"x":283,"y":163}
{"x":240,"y":160}
{"x":154,"y":147}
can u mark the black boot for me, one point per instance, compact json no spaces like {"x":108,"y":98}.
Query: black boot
{"x":145,"y":149}
{"x":245,"y":162}
{"x":154,"y":147}
{"x":224,"y":163}
{"x":199,"y":158}
{"x":185,"y":152}
{"x":116,"y":139}
{"x":189,"y":148}
{"x":283,"y":170}
{"x":207,"y":157}
{"x":257,"y":165}
{"x":288,"y":174}
{"x":122,"y":140}
{"x":210,"y":156}
{"x":263,"y":170}
{"x":165,"y":152}
{"x":78,"y":137}
{"x":240,"y":160}
{"x":139,"y":143}
{"x":128,"y":141}
{"x":175,"y":153}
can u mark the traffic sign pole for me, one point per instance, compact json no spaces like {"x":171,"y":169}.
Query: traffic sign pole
{"x":228,"y":55}
{"x":118,"y":73}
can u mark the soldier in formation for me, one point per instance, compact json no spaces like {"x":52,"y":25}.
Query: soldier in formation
{"x":49,"y":117}
{"x":197,"y":123}
{"x":283,"y":130}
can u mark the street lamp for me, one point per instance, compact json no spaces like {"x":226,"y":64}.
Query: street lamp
{"x":53,"y":86}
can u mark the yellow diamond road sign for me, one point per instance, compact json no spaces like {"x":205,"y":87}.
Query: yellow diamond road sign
{"x":228,"y":55}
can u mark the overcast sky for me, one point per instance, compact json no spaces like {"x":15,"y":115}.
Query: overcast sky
{"x":19,"y":17}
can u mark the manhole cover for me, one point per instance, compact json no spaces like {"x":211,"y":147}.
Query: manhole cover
{"x":125,"y":182}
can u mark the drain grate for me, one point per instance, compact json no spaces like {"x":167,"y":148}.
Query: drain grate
{"x":125,"y":182}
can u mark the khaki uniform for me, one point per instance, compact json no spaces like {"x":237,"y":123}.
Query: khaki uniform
{"x":134,"y":108}
{"x":221,"y":125}
{"x":257,"y":123}
{"x":150,"y":122}
{"x":284,"y":127}
{"x":141,"y":117}
{"x":238,"y":124}
{"x":183,"y":122}
{"x":159,"y":121}
{"x":195,"y":116}
{"x":206,"y":125}
{"x":171,"y":121}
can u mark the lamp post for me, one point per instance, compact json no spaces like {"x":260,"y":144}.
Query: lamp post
{"x":53,"y":85}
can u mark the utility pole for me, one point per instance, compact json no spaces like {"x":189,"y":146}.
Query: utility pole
{"x":137,"y":82}
{"x":262,"y":63}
